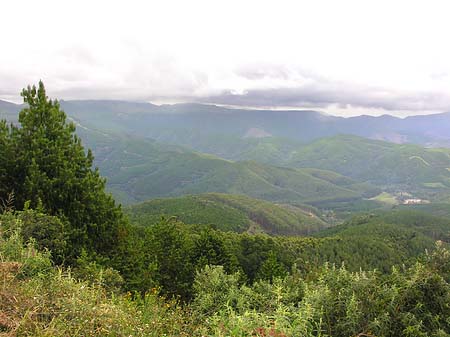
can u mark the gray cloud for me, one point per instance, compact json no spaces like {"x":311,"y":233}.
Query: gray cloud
{"x":275,"y":86}
{"x":316,"y":91}
{"x":277,"y":72}
{"x":259,"y":86}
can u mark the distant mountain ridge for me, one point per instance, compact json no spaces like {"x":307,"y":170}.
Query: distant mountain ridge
{"x":191,"y":124}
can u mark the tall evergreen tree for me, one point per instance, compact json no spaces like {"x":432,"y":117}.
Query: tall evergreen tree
{"x":56,"y":174}
{"x":7,"y":159}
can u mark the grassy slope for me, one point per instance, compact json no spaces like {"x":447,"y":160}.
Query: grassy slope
{"x":228,"y":212}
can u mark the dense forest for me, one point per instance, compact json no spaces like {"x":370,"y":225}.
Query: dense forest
{"x":73,"y":263}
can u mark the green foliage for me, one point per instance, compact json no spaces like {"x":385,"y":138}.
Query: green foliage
{"x":393,"y":167}
{"x":209,"y":249}
{"x":229,"y":212}
{"x":271,"y":268}
{"x":49,"y":169}
{"x":410,"y":302}
{"x":87,"y":269}
{"x":215,"y":289}
{"x":171,"y":249}
{"x":49,"y":232}
{"x":7,"y":164}
{"x":30,"y":261}
{"x":38,"y":300}
{"x":62,"y":306}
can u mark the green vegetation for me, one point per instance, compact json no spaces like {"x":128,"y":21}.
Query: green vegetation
{"x":71,"y":265}
{"x":139,"y":169}
{"x":45,"y":166}
{"x":438,"y":209}
{"x":386,"y":198}
{"x":350,"y":168}
{"x":228,"y":213}
{"x":432,"y":225}
{"x":336,"y":303}
{"x":37,"y":299}
{"x":395,"y":168}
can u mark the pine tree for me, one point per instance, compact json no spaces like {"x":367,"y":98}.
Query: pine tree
{"x":6,"y":163}
{"x":209,"y":249}
{"x":56,"y":174}
{"x":271,"y":268}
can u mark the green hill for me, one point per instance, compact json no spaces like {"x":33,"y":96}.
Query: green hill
{"x":421,"y":223}
{"x":441,"y":210}
{"x":229,"y":213}
{"x":383,"y":238}
{"x":141,"y":169}
{"x":424,"y":172}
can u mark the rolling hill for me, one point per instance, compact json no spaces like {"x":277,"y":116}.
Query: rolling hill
{"x":418,"y":223}
{"x":423,"y":172}
{"x":229,"y":213}
{"x":140,"y":169}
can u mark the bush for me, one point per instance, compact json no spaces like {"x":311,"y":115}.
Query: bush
{"x":412,"y":301}
{"x":87,"y":269}
{"x":12,"y":249}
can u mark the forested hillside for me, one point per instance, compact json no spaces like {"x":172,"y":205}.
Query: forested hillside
{"x":139,"y":169}
{"x":229,"y":212}
{"x":416,"y":169}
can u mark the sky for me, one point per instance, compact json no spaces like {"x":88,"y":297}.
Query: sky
{"x":339,"y":57}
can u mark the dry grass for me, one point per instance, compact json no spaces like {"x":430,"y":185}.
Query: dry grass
{"x":10,"y":301}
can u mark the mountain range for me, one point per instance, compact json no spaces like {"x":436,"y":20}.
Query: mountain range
{"x":300,"y":157}
{"x":190,"y":124}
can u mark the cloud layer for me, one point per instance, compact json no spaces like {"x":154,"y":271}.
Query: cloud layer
{"x":347,"y":57}
{"x":274,"y":86}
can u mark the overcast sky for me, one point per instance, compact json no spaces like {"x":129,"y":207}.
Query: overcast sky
{"x":340,"y":57}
